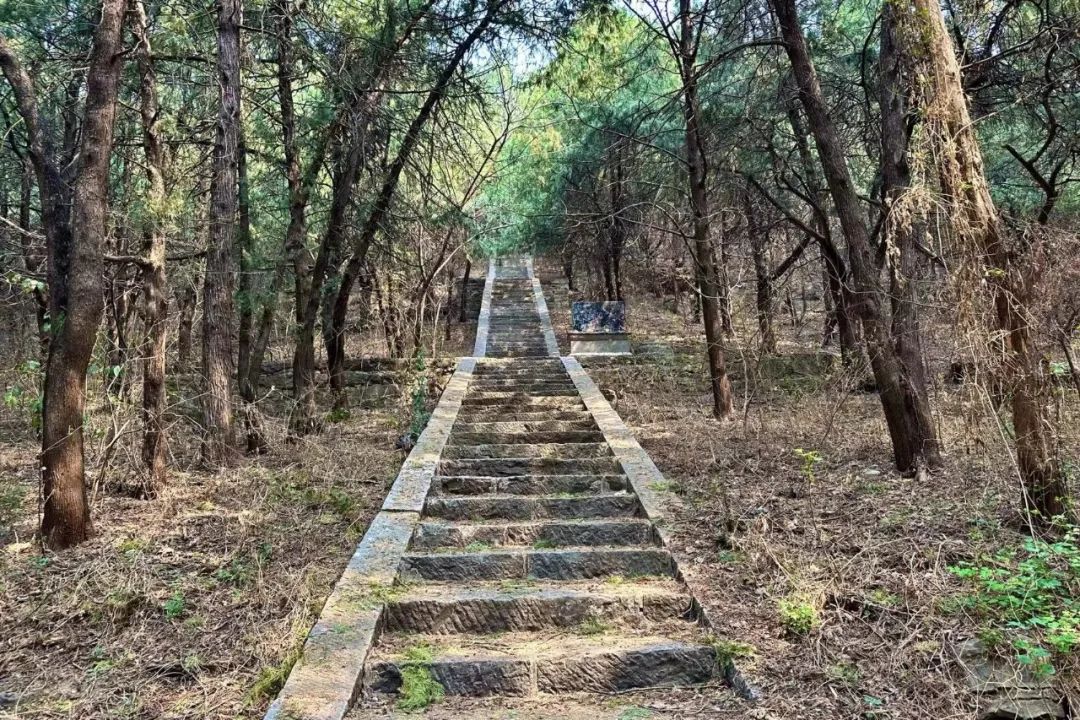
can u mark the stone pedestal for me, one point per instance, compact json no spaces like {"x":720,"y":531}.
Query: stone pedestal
{"x":598,"y":328}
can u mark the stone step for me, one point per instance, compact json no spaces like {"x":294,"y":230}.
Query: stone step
{"x":430,"y":535}
{"x":529,"y":484}
{"x":531,"y":507}
{"x":510,"y":367}
{"x":527,"y":450}
{"x":539,"y":413}
{"x":521,"y":427}
{"x":518,"y":400}
{"x":505,"y":467}
{"x":521,"y":664}
{"x":545,"y":564}
{"x":519,"y":385}
{"x":519,"y":607}
{"x":528,"y":390}
{"x":527,"y":438}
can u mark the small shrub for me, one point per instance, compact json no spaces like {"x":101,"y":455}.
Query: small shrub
{"x":798,"y":616}
{"x":728,"y":651}
{"x":593,"y":626}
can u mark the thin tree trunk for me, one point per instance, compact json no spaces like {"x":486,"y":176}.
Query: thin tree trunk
{"x":901,"y":403}
{"x":217,"y":350}
{"x":248,"y":357}
{"x":759,"y":245}
{"x":465,"y":291}
{"x":75,"y":271}
{"x":186,"y":301}
{"x":155,"y":301}
{"x":704,"y":264}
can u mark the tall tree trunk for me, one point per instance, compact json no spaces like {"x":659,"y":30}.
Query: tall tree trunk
{"x":904,"y":270}
{"x":462,"y":311}
{"x":902,"y":405}
{"x":248,"y":353}
{"x":704,"y":264}
{"x":217,"y":341}
{"x":925,"y":43}
{"x":186,"y":300}
{"x":155,"y":301}
{"x":75,"y":271}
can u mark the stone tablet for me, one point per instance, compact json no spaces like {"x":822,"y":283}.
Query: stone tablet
{"x":598,"y":317}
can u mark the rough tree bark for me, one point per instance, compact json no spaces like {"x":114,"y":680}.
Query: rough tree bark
{"x":759,"y":245}
{"x":75,"y":271}
{"x":217,"y":341}
{"x":991,"y":266}
{"x":903,"y":406}
{"x":901,"y":230}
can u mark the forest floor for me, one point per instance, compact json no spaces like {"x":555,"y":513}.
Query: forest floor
{"x":193,"y":605}
{"x":870,"y":552}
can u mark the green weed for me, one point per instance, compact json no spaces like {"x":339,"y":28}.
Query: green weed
{"x":1030,"y":595}
{"x":593,"y":626}
{"x":174,"y":607}
{"x":798,"y":616}
{"x":419,"y":688}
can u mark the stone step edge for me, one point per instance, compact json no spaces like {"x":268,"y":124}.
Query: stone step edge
{"x":326,"y":678}
{"x":562,"y":672}
{"x":450,"y":610}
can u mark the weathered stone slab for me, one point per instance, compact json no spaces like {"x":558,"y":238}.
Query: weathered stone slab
{"x":586,"y":564}
{"x":470,"y":677}
{"x":527,"y":450}
{"x":526,"y":438}
{"x":531,"y":508}
{"x":505,"y":467}
{"x":433,"y":535}
{"x":1006,"y":689}
{"x":462,"y":567}
{"x":670,"y":665}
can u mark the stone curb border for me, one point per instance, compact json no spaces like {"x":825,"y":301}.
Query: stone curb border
{"x":644,"y":478}
{"x":326,"y":678}
{"x":484,"y":321}
{"x":542,"y":310}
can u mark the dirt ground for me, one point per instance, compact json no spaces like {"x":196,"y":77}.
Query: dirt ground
{"x":192,"y":605}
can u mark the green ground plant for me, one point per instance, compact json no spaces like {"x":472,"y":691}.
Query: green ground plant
{"x":419,"y":688}
{"x":1028,"y":598}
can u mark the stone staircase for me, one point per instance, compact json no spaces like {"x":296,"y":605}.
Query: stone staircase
{"x":533,"y":568}
{"x":515,"y":325}
{"x":518,"y":552}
